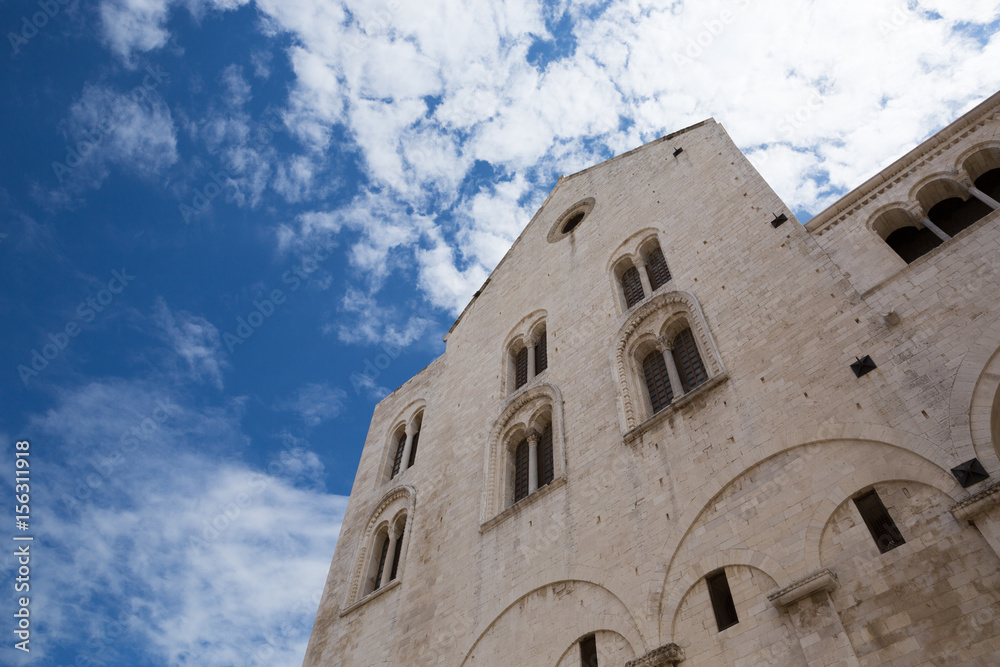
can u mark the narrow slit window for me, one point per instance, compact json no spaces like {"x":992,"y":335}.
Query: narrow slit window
{"x":722,"y":600}
{"x":521,"y":368}
{"x":545,"y":468}
{"x":521,"y":471}
{"x":688,"y":361}
{"x":413,"y":450}
{"x":541,"y":355}
{"x":632,"y":286}
{"x":381,"y":563}
{"x":883,"y":529}
{"x":588,"y":651}
{"x":398,"y":459}
{"x":657,"y":381}
{"x":659,"y":274}
{"x":399,"y":550}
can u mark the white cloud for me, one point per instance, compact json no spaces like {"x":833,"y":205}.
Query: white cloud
{"x":315,"y":403}
{"x":202,"y":560}
{"x":194,"y":340}
{"x":105,"y":128}
{"x":370,"y":323}
{"x":426,"y":90}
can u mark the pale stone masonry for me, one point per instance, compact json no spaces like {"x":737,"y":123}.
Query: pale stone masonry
{"x":756,"y":463}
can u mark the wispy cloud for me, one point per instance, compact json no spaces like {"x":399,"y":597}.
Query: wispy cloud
{"x":185,"y":548}
{"x":195,"y":341}
{"x":315,"y":403}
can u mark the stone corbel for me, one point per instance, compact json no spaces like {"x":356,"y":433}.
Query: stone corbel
{"x":668,"y":655}
{"x":977,"y":504}
{"x":820,"y":580}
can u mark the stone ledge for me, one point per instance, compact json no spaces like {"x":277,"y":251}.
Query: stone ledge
{"x":668,"y":654}
{"x":674,"y":407}
{"x":371,"y":596}
{"x":517,"y":507}
{"x":820,"y":580}
{"x":978,"y":503}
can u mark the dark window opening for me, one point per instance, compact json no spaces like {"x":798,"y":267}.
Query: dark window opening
{"x":632,"y":286}
{"x":546,"y":471}
{"x":883,"y":529}
{"x":398,"y":459}
{"x":722,"y":600}
{"x":381,"y":563}
{"x":953,"y":215}
{"x":521,"y":365}
{"x":911,"y":243}
{"x":657,"y":380}
{"x":399,"y":550}
{"x":989,"y":183}
{"x":413,"y":449}
{"x":541,"y":355}
{"x":588,"y":651}
{"x":688,"y":361}
{"x":573,"y":221}
{"x":659,"y":274}
{"x":521,"y":471}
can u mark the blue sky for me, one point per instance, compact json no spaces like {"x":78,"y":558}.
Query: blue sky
{"x":228,"y":228}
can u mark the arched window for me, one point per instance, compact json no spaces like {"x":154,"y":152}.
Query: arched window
{"x":533,"y":462}
{"x":907,"y":237}
{"x":404,"y":442}
{"x":386,"y":553}
{"x":955,"y":214}
{"x":632,"y":286}
{"x":527,"y":355}
{"x":657,"y":380}
{"x":688,"y":361}
{"x":398,"y":458}
{"x":911,"y":243}
{"x":656,"y":265}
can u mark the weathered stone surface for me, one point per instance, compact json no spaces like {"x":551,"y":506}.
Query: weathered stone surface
{"x":752,"y":472}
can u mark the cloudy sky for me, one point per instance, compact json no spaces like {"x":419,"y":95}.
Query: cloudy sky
{"x":228,"y":228}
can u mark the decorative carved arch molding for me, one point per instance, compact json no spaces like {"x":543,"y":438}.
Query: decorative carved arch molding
{"x":978,"y":159}
{"x":974,"y":406}
{"x":930,"y":458}
{"x":661,"y":315}
{"x":601,"y":610}
{"x":398,"y":501}
{"x":520,"y":415}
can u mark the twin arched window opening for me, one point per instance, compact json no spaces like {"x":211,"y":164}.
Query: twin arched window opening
{"x":533,"y":462}
{"x":529,"y":357}
{"x":944,"y":208}
{"x":406,"y":446}
{"x":644,"y":274}
{"x":671,"y":366}
{"x":388,"y":549}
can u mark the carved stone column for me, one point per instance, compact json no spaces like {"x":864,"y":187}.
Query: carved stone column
{"x":532,"y":345}
{"x":532,"y":462}
{"x":817,"y":624}
{"x":667,"y":655}
{"x":390,"y":557}
{"x":985,"y":198}
{"x":668,"y":358}
{"x":405,"y":463}
{"x":983,"y":510}
{"x":640,"y":266}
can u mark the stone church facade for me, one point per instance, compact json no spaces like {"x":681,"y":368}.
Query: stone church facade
{"x":676,"y":426}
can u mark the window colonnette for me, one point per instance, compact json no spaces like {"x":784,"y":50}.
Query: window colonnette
{"x":381,"y":550}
